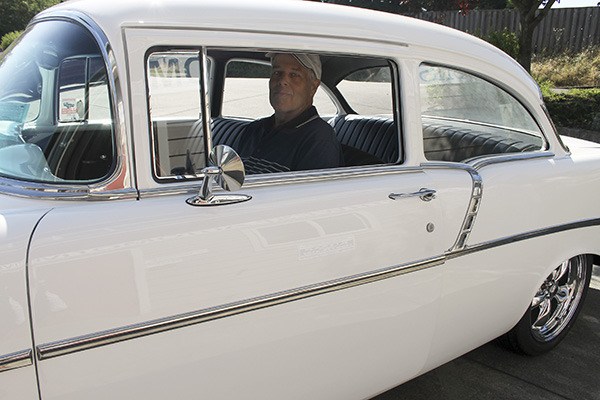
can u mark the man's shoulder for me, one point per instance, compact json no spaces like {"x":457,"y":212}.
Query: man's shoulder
{"x":319,"y":126}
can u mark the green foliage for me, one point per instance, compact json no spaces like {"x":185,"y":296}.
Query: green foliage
{"x":576,"y":108}
{"x":8,"y":39}
{"x":505,"y":40}
{"x":17,"y":13}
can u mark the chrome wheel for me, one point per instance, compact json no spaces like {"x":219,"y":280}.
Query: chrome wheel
{"x":555,"y":303}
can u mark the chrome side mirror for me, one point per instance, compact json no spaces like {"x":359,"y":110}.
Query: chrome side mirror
{"x":227,"y":170}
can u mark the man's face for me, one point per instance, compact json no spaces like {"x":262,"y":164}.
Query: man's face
{"x":291,"y":87}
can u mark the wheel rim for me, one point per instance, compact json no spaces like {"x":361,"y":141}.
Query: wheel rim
{"x":556,"y":301}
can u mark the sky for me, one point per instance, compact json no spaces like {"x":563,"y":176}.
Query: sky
{"x":575,"y":3}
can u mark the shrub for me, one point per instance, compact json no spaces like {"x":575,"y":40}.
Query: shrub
{"x":505,"y":40}
{"x":576,"y":108}
{"x":8,"y":39}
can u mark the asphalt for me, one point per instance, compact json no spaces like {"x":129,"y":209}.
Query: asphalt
{"x":570,"y":371}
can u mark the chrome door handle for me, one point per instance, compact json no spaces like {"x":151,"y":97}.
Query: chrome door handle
{"x":424,"y":194}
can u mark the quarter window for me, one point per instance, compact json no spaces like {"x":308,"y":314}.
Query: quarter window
{"x":465,"y":116}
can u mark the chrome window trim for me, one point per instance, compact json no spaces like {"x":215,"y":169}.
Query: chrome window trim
{"x":72,"y":345}
{"x":484,"y":161}
{"x":103,"y":338}
{"x":118,"y":184}
{"x":39,"y":190}
{"x":16,"y":360}
{"x":286,"y":178}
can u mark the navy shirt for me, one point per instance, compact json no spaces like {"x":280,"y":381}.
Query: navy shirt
{"x":306,"y":142}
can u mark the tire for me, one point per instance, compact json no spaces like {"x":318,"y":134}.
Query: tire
{"x":553,"y":309}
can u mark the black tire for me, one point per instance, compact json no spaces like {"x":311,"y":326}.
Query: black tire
{"x":553,"y":310}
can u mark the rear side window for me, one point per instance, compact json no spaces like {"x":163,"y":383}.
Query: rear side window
{"x":465,"y":116}
{"x":55,"y":110}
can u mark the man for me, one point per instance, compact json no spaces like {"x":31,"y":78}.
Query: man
{"x":295,"y":137}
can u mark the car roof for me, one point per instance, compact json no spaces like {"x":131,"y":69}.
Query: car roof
{"x":290,"y":16}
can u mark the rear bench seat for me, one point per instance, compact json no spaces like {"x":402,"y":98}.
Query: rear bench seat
{"x":447,"y":143}
{"x":365,"y":140}
{"x":373,"y":140}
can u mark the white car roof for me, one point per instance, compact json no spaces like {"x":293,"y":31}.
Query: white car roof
{"x":290,"y":16}
{"x":295,"y":17}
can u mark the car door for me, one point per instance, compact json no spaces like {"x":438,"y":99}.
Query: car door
{"x":269,"y":295}
{"x":323,"y":284}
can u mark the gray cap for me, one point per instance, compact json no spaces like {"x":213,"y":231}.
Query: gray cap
{"x":307,"y":60}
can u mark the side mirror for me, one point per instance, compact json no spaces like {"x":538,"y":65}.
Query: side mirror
{"x":227,"y":170}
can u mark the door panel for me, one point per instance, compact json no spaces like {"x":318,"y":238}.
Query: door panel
{"x":122,"y":263}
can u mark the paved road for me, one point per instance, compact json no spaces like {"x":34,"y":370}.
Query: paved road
{"x":570,"y":371}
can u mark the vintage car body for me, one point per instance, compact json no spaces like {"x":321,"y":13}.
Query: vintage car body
{"x":337,"y":283}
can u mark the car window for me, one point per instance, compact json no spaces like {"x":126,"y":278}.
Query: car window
{"x":246,"y":92}
{"x":465,"y":116}
{"x":55,"y":114}
{"x":363,"y":133}
{"x":175,"y":113}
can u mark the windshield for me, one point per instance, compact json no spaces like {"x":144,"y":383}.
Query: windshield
{"x":55,"y":119}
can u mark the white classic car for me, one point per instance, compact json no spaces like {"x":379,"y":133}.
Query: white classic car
{"x":129,"y":270}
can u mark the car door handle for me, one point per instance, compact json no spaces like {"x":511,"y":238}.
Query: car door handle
{"x":424,"y":194}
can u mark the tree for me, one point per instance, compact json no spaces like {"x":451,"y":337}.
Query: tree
{"x":530,"y":15}
{"x":17,"y":13}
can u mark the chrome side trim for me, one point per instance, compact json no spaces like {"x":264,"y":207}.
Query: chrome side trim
{"x":522,"y":236}
{"x":16,"y":360}
{"x":85,"y":342}
{"x":72,"y":345}
{"x":472,"y":209}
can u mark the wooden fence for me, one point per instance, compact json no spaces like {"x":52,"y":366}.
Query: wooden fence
{"x":563,"y":29}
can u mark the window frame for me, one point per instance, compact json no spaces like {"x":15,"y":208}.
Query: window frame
{"x":205,"y":71}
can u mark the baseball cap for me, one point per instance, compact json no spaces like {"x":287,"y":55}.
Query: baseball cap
{"x":307,"y":60}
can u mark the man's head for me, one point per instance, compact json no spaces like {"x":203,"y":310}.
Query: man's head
{"x":294,"y":80}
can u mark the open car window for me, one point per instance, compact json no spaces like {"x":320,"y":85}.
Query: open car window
{"x":355,"y":100}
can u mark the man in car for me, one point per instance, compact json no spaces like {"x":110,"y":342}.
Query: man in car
{"x":295,"y":137}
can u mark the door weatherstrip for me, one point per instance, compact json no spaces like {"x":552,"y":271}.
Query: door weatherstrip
{"x":16,"y":360}
{"x":68,"y":346}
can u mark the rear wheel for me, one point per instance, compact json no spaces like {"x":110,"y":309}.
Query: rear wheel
{"x":554,"y":308}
